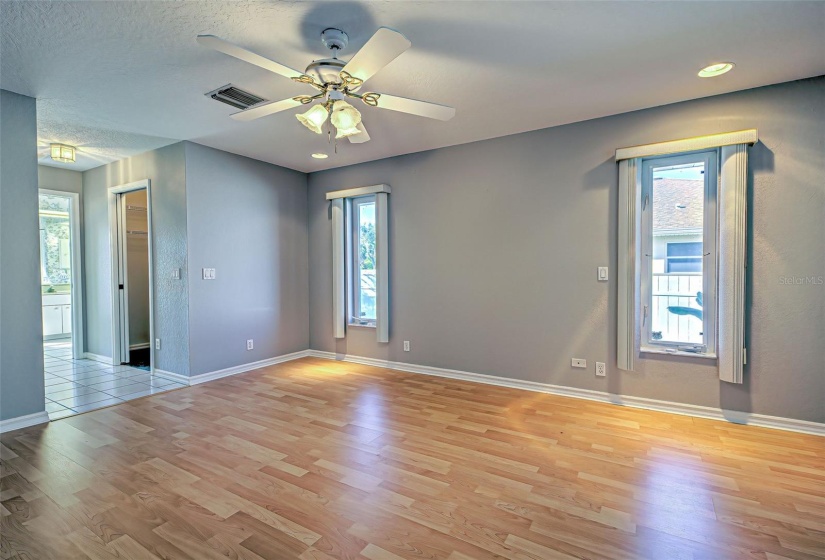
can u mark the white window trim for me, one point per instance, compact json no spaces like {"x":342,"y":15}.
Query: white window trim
{"x":732,"y":200}
{"x":340,"y":258}
{"x":709,"y":268}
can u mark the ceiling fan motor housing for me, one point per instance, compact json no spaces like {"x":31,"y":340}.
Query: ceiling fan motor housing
{"x":326,"y":70}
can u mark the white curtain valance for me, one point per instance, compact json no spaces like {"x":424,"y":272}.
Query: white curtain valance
{"x":749,"y":136}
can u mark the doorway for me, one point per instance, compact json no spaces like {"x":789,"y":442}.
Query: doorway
{"x":60,"y":271}
{"x":130,"y":215}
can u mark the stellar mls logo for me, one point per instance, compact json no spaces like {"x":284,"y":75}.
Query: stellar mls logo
{"x":802,"y":280}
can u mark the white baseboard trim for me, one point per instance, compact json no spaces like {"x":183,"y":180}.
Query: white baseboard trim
{"x":98,"y":358}
{"x":172,"y":376}
{"x":734,"y":416}
{"x":23,"y":421}
{"x":139,"y":346}
{"x":218,"y":374}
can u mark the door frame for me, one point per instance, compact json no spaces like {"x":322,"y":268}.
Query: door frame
{"x":78,"y":340}
{"x":114,"y":246}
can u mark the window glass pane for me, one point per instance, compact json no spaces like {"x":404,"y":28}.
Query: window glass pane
{"x":684,"y":249}
{"x":365,"y":283}
{"x":677,"y":196}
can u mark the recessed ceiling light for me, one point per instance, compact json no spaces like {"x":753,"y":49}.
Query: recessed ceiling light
{"x":716,"y":69}
{"x":319,"y":155}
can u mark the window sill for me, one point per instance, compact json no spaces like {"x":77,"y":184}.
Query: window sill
{"x":362,"y":325}
{"x":669,"y":352}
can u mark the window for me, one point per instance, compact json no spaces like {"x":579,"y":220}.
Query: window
{"x":684,"y":257}
{"x":678,"y":244}
{"x":654,"y":212}
{"x":361,"y":261}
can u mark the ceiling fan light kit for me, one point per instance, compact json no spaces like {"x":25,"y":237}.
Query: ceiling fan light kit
{"x":335,"y":80}
{"x":315,"y":118}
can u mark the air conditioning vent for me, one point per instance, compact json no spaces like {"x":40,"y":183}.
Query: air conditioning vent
{"x":235,"y":97}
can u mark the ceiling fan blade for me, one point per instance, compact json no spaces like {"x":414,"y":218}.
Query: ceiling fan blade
{"x":414,"y":107}
{"x":382,"y":48}
{"x":218,"y":44}
{"x":360,"y":138}
{"x":265,"y":109}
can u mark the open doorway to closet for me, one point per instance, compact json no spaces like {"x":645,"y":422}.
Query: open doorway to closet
{"x":130,"y":217}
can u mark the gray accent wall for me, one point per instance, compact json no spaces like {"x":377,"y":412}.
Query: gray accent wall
{"x":166,"y":169}
{"x":21,"y":324}
{"x":494,"y":247}
{"x":248,"y":220}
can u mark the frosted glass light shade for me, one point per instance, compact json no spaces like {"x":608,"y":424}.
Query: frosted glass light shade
{"x":314,"y":119}
{"x":346,"y":119}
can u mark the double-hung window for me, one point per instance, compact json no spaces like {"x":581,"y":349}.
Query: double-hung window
{"x":678,"y":245}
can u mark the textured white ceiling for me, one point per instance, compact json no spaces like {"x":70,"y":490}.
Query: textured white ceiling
{"x":120,"y":78}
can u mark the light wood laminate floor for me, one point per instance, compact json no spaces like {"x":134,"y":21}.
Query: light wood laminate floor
{"x":315,"y":459}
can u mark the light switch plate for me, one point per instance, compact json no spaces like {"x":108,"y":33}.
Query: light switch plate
{"x":176,"y":274}
{"x":602,"y":274}
{"x":208,"y":273}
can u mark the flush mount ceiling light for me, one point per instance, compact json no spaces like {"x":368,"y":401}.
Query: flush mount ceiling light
{"x":319,"y":155}
{"x":334,"y":80}
{"x":62,"y":153}
{"x":716,"y":69}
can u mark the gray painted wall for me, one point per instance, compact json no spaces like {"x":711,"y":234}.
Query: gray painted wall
{"x":495,"y":244}
{"x":248,"y":220}
{"x":165,"y":167}
{"x":59,"y":179}
{"x":21,"y":328}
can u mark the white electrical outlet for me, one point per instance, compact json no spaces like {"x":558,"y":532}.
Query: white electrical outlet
{"x":578,"y":362}
{"x":250,"y":344}
{"x":406,"y":346}
{"x":600,"y":369}
{"x":157,"y":344}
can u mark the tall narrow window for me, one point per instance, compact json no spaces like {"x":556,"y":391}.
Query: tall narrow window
{"x":362,"y":261}
{"x":682,"y":250}
{"x":678,"y":242}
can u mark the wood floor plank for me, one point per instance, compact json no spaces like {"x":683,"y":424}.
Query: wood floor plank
{"x":319,"y":460}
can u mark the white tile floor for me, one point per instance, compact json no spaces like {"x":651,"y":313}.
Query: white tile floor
{"x":74,"y":386}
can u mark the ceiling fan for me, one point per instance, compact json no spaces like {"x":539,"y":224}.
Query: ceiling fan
{"x":335,"y":80}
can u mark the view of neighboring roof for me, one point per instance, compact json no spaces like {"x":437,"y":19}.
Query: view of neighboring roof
{"x":677,"y":204}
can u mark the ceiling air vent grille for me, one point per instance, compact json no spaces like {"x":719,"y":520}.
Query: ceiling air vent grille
{"x":235,"y":97}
